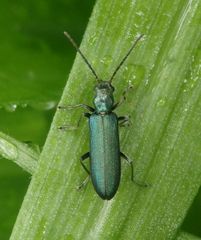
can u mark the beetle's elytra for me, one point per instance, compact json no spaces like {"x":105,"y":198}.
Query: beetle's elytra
{"x":104,"y":154}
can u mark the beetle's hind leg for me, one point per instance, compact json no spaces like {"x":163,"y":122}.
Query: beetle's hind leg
{"x":84,"y":157}
{"x":84,"y":183}
{"x":130,"y":162}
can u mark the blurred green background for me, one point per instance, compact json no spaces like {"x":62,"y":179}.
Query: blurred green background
{"x":35,"y":60}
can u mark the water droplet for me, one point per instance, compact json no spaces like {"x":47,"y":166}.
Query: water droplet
{"x":146,"y":81}
{"x":44,"y":229}
{"x":136,"y":25}
{"x":92,"y":39}
{"x":44,"y":105}
{"x":192,"y":85}
{"x":8,"y":150}
{"x":133,"y":73}
{"x":106,"y":60}
{"x":161,"y":102}
{"x":23,"y":105}
{"x":140,"y":13}
{"x":30,"y":75}
{"x":10,"y":107}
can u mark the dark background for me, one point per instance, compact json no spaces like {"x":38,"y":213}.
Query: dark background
{"x":35,"y":60}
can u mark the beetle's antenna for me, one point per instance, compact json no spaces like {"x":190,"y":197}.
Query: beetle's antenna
{"x":124,"y":59}
{"x":82,"y":55}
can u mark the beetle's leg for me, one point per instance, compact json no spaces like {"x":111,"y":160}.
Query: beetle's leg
{"x":84,"y":183}
{"x":129,"y":162}
{"x":69,"y":127}
{"x":124,"y":121}
{"x":123,"y":97}
{"x":132,"y":175}
{"x":87,"y":115}
{"x":69,"y":107}
{"x":84,"y":157}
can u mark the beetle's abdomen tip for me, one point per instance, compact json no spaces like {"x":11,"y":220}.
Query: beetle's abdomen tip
{"x":106,"y":196}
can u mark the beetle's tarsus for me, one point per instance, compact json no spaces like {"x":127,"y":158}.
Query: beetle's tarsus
{"x":141,"y":184}
{"x":84,"y":183}
{"x":130,"y":162}
{"x":124,"y":121}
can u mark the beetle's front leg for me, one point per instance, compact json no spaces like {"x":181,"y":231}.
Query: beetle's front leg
{"x":123,"y":97}
{"x":84,"y":183}
{"x":130,"y":162}
{"x":69,"y":107}
{"x":124,"y":121}
{"x":69,"y":127}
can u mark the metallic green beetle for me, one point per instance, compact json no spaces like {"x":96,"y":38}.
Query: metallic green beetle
{"x":105,"y":154}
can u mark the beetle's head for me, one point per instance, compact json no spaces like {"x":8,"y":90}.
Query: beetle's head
{"x":104,"y":99}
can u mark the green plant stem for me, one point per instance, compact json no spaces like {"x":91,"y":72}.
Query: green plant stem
{"x":28,"y":160}
{"x":164,"y":138}
{"x":20,"y":153}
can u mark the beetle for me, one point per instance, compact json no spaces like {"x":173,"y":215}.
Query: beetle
{"x":105,"y":155}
